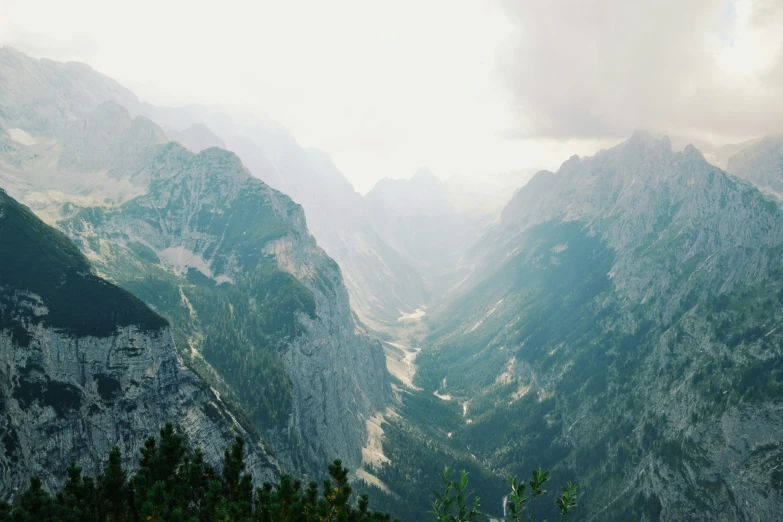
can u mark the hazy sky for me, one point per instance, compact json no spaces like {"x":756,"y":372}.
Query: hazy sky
{"x":474,"y":86}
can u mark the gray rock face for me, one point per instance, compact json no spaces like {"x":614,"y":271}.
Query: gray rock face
{"x":71,"y":399}
{"x":338,"y":370}
{"x":86,"y":366}
{"x":658,"y":209}
{"x":107,"y":139}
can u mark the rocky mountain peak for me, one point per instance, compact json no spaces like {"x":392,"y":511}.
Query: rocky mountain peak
{"x":692,"y":153}
{"x":196,"y":137}
{"x":641,"y":139}
{"x":425,"y":177}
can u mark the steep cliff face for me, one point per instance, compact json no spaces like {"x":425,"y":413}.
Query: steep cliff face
{"x":86,"y":366}
{"x":243,"y":279}
{"x":622,"y":329}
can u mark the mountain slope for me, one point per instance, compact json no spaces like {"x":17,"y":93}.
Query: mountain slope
{"x":87,"y":366}
{"x":230,"y":262}
{"x":621,"y":329}
{"x":97,"y":159}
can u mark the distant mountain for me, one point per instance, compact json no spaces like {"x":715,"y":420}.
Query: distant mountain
{"x":86,"y":365}
{"x":486,"y":195}
{"x":762,"y":164}
{"x":196,"y":137}
{"x":417,"y":218}
{"x":620,"y":328}
{"x":108,"y":139}
{"x":719,"y":156}
{"x":43,"y":96}
{"x":423,"y":193}
{"x":97,"y":157}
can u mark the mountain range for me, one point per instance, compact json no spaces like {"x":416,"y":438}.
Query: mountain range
{"x":615,"y":321}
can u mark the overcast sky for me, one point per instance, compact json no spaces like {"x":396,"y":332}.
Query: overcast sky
{"x":473,"y":86}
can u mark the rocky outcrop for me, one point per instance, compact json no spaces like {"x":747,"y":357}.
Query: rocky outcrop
{"x":71,"y":398}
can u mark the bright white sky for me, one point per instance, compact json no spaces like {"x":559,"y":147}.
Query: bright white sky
{"x":386,"y":87}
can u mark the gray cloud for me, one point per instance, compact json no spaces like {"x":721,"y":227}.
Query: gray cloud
{"x":601,"y":68}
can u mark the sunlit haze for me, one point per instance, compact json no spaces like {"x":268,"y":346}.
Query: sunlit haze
{"x":462,"y":87}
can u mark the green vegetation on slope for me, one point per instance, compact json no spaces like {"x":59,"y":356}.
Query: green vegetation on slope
{"x":546,"y":289}
{"x":41,"y":260}
{"x":230,"y":333}
{"x":602,"y":390}
{"x":237,"y":329}
{"x":419,"y":448}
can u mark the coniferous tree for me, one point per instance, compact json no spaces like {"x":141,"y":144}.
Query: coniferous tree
{"x":171,"y":485}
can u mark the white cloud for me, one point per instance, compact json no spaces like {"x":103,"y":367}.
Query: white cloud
{"x":602,"y":68}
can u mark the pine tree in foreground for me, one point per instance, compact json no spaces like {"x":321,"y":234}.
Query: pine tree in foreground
{"x":171,"y":485}
{"x":452,"y":504}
